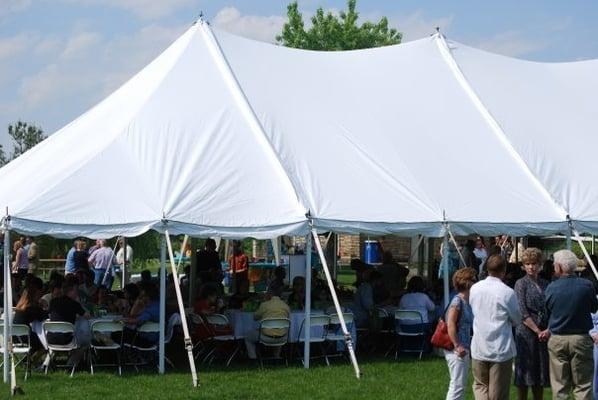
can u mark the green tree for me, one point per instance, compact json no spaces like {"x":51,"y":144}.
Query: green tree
{"x":2,"y":156}
{"x":24,"y":137}
{"x":335,"y":32}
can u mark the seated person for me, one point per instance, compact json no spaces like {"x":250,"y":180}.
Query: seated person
{"x":105,"y":300}
{"x":146,"y":277}
{"x":278,"y":281}
{"x":417,"y":300}
{"x":28,"y":310}
{"x":65,"y":308}
{"x":273,"y":307}
{"x":151,"y":312}
{"x":240,"y":299}
{"x":363,"y":301}
{"x":296,"y":299}
{"x":141,"y":301}
{"x":130,"y":294}
{"x":207,"y":303}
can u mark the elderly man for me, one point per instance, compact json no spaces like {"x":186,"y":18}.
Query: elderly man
{"x":570,"y":301}
{"x":274,"y":307}
{"x":101,"y":260}
{"x":496,"y":311}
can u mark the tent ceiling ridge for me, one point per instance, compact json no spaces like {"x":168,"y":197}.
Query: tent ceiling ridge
{"x":494,"y":125}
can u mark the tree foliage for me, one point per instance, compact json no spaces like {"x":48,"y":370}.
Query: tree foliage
{"x":332,"y":32}
{"x":24,"y":137}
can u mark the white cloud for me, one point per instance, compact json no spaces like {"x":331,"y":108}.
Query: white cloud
{"x":80,"y":43}
{"x":147,"y":9}
{"x":264,"y":28}
{"x":15,"y":45}
{"x":512,"y":43}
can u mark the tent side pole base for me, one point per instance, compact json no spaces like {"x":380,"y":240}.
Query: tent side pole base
{"x":337,"y":306}
{"x":179,"y":296}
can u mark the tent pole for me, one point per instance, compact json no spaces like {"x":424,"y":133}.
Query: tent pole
{"x":6,"y":303}
{"x":307,"y":323}
{"x":593,"y":244}
{"x":337,"y":306}
{"x":568,"y":239}
{"x":123,"y":281}
{"x":162,"y":303}
{"x":456,"y":247}
{"x":445,"y":257}
{"x":585,"y":252}
{"x":179,"y":296}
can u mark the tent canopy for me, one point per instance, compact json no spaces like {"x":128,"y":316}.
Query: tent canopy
{"x":225,"y":136}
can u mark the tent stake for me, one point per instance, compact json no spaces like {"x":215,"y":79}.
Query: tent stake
{"x":337,"y":306}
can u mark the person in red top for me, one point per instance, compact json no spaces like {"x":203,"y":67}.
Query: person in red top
{"x":239,"y":265}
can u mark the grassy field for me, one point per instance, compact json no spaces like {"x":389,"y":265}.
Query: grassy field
{"x":382,"y":379}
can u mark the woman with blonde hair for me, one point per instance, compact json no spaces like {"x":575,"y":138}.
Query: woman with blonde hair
{"x":531,"y":364}
{"x":459,"y":319}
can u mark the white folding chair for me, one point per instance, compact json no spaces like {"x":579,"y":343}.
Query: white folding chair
{"x":173,"y":321}
{"x":415,"y":319}
{"x":102,"y":340}
{"x":219,"y":341}
{"x":334,"y":332}
{"x":318,"y":325}
{"x":21,"y":345}
{"x":272,"y":342}
{"x":137,"y":345}
{"x":59,"y":328}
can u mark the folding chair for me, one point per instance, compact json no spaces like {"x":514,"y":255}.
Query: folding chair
{"x":334,"y":333}
{"x":173,"y":321}
{"x":317,"y":335}
{"x":102,"y":340}
{"x":272,"y":341}
{"x":219,"y":341}
{"x":63,"y":328}
{"x":417,"y":320}
{"x":138,"y":347}
{"x":201,"y":345}
{"x":21,"y":346}
{"x":386,"y":332}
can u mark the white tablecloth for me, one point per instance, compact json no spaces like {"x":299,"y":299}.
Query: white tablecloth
{"x":243,"y":322}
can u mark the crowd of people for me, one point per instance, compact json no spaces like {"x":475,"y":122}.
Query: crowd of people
{"x":532,"y":323}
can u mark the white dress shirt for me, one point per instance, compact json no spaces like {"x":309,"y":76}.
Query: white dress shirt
{"x":120,"y":255}
{"x":495,"y":312}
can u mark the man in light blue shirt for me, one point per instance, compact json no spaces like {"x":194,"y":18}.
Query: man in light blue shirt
{"x":69,"y":266}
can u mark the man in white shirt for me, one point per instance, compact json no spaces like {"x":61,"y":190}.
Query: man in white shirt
{"x":495,"y":311}
{"x":120,"y":259}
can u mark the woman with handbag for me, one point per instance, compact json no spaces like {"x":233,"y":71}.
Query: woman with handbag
{"x":459,"y":321}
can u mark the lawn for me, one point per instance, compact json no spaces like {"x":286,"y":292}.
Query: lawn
{"x":382,"y":379}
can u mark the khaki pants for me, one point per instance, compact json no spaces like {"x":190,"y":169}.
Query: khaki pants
{"x":571,"y":366}
{"x":491,"y":380}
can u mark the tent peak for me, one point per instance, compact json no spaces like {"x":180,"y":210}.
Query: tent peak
{"x":201,"y":19}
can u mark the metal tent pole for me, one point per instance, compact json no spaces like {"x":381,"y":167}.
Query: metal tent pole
{"x":445,"y":260}
{"x":7,"y":307}
{"x":161,"y":354}
{"x":585,"y":252}
{"x":568,"y":238}
{"x":307,"y":323}
{"x":179,"y":296}
{"x":593,"y":244}
{"x":337,"y":306}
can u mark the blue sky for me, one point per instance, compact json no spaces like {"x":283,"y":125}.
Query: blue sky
{"x":60,"y":57}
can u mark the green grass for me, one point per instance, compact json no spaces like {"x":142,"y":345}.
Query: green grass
{"x":382,"y":379}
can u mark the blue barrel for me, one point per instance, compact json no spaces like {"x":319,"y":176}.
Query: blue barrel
{"x":372,"y":253}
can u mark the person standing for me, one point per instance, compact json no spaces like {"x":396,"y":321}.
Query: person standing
{"x":496,"y":311}
{"x":570,"y":301}
{"x":102,"y":260}
{"x":124,"y":255}
{"x":32,"y":255}
{"x":21,"y":263}
{"x":69,"y":266}
{"x":80,"y":256}
{"x":459,"y":319}
{"x":531,"y":364}
{"x":239,"y":264}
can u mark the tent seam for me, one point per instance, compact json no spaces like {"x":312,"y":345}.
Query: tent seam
{"x":218,"y":55}
{"x":495,"y":126}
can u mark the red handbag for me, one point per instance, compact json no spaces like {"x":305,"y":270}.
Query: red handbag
{"x":441,"y":338}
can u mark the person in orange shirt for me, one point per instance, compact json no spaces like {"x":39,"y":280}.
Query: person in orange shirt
{"x":239,"y":265}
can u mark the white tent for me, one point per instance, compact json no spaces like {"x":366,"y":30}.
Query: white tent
{"x":224,"y":136}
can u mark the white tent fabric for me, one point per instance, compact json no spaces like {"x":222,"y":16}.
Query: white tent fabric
{"x":225,"y":136}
